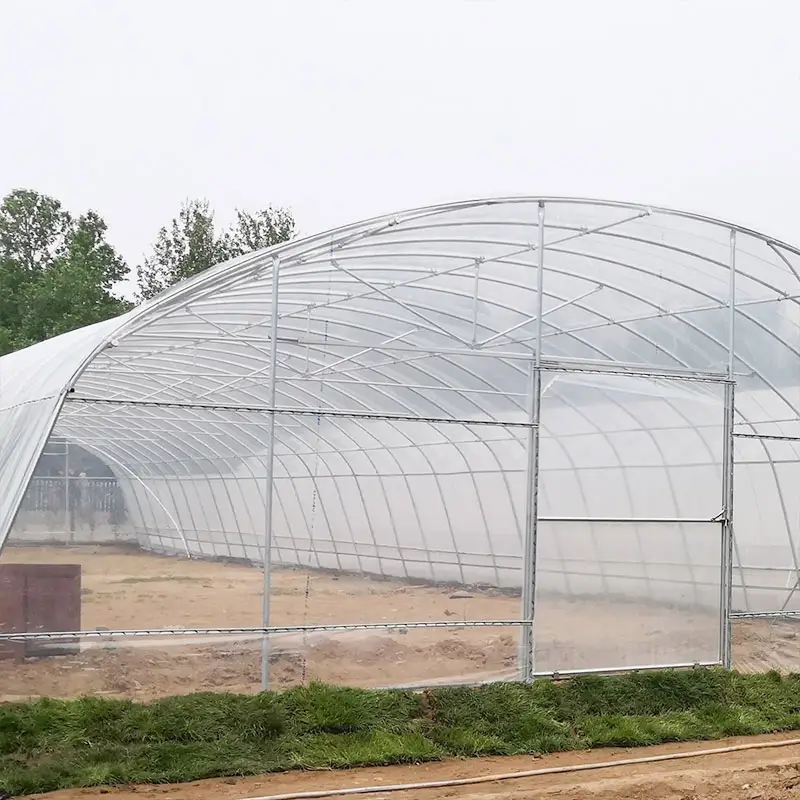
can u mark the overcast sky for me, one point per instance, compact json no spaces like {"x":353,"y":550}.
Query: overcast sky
{"x":343,"y":109}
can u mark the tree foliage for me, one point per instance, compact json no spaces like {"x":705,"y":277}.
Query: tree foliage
{"x":57,"y":272}
{"x":255,"y":231}
{"x":192,"y":244}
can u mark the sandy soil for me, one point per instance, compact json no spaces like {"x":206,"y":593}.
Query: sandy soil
{"x":746,"y":775}
{"x":131,"y":589}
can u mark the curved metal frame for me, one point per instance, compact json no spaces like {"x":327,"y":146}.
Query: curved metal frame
{"x":435,"y":317}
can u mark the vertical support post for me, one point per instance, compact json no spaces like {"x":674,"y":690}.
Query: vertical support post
{"x":526,"y":656}
{"x":726,"y":582}
{"x":269,"y":476}
{"x":475,"y":299}
{"x":732,"y":310}
{"x":68,"y":510}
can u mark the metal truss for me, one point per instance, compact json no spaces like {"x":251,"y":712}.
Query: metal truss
{"x":431,"y":395}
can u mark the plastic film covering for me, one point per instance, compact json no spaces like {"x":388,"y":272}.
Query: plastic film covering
{"x":405,"y":415}
{"x":672,"y":568}
{"x":33,"y":383}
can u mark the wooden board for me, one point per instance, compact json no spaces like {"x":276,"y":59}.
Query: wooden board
{"x":39,"y":598}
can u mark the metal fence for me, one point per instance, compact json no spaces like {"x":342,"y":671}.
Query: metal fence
{"x":70,"y":504}
{"x":50,"y":495}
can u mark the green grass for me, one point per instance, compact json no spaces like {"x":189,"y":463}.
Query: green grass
{"x":53,"y":744}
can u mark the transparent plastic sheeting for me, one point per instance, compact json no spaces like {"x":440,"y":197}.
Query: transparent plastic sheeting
{"x":627,"y":595}
{"x":163,"y":666}
{"x":407,"y":499}
{"x":404,"y":347}
{"x":32,"y":386}
{"x":630,"y":446}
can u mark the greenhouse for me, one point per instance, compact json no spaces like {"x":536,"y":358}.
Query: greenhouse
{"x":575,"y":422}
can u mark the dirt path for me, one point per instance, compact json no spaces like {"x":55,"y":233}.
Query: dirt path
{"x":746,"y":775}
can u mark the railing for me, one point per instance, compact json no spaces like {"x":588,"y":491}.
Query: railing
{"x":56,"y":495}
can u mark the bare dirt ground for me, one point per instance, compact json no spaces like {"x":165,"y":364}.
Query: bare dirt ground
{"x":746,"y":775}
{"x":124,"y":589}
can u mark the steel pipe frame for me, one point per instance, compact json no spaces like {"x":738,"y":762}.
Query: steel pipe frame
{"x":290,"y":411}
{"x":527,"y":655}
{"x":661,"y":312}
{"x":728,"y":543}
{"x":103,"y":452}
{"x":342,"y":628}
{"x":312,"y":412}
{"x":767,"y":437}
{"x":260,"y":630}
{"x":323,"y":511}
{"x":571,"y":673}
{"x":727,"y":534}
{"x":635,"y":520}
{"x":279,"y":337}
{"x":687,"y":311}
{"x":528,"y":641}
{"x":439,"y":350}
{"x":599,"y":519}
{"x":578,"y":201}
{"x":669,"y":519}
{"x":269,"y":469}
{"x":550,"y":363}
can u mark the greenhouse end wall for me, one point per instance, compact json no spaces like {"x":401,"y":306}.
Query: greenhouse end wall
{"x":489,"y":440}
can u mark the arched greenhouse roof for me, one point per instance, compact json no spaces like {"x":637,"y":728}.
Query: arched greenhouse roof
{"x":403,"y":353}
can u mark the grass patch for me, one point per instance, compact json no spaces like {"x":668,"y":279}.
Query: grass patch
{"x":55,"y":744}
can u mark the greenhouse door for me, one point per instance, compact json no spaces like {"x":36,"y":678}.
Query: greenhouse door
{"x":629,"y":555}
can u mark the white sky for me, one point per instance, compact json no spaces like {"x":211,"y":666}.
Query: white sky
{"x":341,"y":109}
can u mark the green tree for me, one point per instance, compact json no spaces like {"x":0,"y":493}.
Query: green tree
{"x":255,"y":231}
{"x":77,"y":289}
{"x":57,"y":272}
{"x":191,"y":243}
{"x":33,"y":230}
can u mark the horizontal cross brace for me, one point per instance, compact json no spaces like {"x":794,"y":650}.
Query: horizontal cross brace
{"x":640,"y":520}
{"x":367,"y":626}
{"x":306,"y":412}
{"x":763,"y":614}
{"x":776,"y":437}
